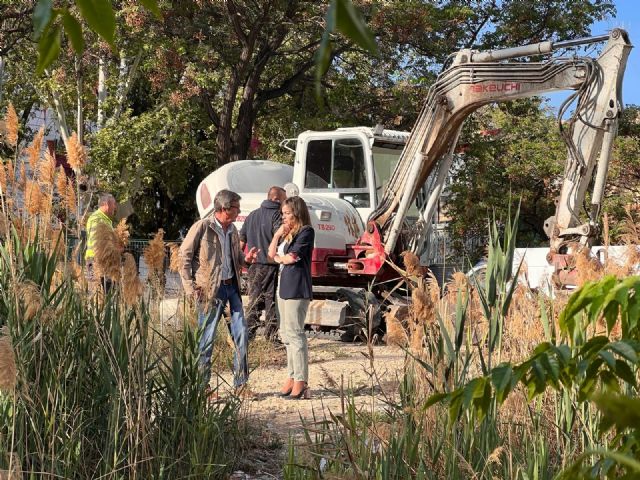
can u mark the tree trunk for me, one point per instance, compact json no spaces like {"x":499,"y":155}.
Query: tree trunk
{"x":2,"y":61}
{"x":102,"y":91}
{"x":80,"y":100}
{"x":58,"y":107}
{"x":126,"y":76}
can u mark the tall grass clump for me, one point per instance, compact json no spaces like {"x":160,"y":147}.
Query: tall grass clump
{"x":502,"y":384}
{"x":88,"y":387}
{"x":91,"y":397}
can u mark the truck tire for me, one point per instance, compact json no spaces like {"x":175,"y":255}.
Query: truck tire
{"x":357,"y":327}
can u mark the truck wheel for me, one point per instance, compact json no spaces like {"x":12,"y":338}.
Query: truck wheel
{"x":360,"y":301}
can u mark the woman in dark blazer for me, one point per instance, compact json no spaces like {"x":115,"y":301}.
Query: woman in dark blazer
{"x":291,"y":247}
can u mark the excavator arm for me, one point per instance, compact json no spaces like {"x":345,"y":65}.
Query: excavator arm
{"x":473,"y":79}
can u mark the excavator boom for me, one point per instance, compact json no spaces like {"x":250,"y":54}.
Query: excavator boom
{"x":473,"y":79}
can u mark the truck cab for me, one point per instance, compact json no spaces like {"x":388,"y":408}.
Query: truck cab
{"x":353,"y":164}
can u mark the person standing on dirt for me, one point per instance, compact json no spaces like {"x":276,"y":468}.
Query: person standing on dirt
{"x":104,"y":214}
{"x":257,"y":231}
{"x":211,"y":260}
{"x":291,"y":247}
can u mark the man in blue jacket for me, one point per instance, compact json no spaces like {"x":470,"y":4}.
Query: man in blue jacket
{"x":257,"y":231}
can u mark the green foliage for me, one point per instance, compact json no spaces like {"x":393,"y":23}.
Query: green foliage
{"x":582,"y":365}
{"x":99,"y":392}
{"x":98,"y":14}
{"x":513,"y":147}
{"x":478,"y":435}
{"x":622,"y":180}
{"x":342,"y":16}
{"x":162,"y":148}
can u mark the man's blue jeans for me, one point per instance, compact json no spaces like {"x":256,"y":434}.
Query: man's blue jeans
{"x":208,"y":322}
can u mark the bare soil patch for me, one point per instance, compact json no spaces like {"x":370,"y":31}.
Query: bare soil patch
{"x":371,"y":375}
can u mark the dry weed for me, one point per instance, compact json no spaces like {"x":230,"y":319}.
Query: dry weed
{"x":588,"y":268}
{"x":523,"y":326}
{"x":329,"y":381}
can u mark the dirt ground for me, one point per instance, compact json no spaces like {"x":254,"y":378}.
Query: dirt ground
{"x":333,"y":367}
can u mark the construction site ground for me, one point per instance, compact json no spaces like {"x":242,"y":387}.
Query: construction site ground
{"x":336,"y":370}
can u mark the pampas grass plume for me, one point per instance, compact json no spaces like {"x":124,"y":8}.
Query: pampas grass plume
{"x":8,"y":371}
{"x":23,"y":176}
{"x":3,"y":178}
{"x":175,"y":260}
{"x":12,"y":125}
{"x":61,"y":182}
{"x":154,"y":253}
{"x":28,"y":293}
{"x":131,"y":285}
{"x":15,"y":469}
{"x":70,"y":196}
{"x":122,"y":232}
{"x":11,"y":173}
{"x":33,"y":197}
{"x":411,"y":263}
{"x":396,"y":334}
{"x":47,"y":169}
{"x":4,"y":226}
{"x":108,"y":250}
{"x":33,"y":151}
{"x":76,"y":154}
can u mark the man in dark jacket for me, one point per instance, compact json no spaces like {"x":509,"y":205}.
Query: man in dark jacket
{"x":257,"y":231}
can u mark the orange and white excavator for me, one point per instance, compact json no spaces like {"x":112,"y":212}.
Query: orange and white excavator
{"x":373,"y":193}
{"x":474,"y":79}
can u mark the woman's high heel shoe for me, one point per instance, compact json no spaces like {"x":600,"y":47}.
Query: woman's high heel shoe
{"x":286,"y":389}
{"x":300,"y":390}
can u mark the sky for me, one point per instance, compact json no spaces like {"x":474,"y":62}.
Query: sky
{"x":628,"y":18}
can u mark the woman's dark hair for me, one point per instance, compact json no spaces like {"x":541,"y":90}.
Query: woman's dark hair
{"x":300,"y":213}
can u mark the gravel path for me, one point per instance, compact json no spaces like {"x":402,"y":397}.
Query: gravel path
{"x":333,"y":366}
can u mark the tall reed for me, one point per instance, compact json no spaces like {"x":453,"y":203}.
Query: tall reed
{"x":94,"y":395}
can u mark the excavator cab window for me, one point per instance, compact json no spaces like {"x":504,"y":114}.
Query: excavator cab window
{"x":338,"y":165}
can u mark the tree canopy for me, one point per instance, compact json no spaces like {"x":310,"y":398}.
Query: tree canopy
{"x":175,"y":95}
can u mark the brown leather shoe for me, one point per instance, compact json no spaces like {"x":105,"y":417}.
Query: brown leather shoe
{"x":300,"y":390}
{"x":286,"y":388}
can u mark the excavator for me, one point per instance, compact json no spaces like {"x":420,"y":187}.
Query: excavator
{"x":472,"y":79}
{"x":373,"y":193}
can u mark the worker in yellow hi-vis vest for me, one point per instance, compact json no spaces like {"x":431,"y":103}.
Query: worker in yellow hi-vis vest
{"x":105,"y":214}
